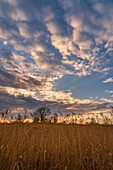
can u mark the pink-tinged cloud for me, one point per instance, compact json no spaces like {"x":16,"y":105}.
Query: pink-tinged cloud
{"x":109,"y":80}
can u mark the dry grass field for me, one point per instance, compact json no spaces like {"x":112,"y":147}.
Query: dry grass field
{"x":55,"y":147}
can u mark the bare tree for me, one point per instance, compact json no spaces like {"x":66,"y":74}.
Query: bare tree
{"x":36,"y":119}
{"x":25,"y":113}
{"x":67,"y":115}
{"x":11,"y":117}
{"x":42,"y":112}
{"x":93,"y":121}
{"x":73,"y":114}
{"x":19,"y":117}
{"x":55,"y":117}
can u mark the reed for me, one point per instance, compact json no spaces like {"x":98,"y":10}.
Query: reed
{"x":55,"y":146}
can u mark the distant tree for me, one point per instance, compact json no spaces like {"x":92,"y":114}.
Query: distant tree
{"x":36,"y":119}
{"x":19,"y":117}
{"x":81,"y":120}
{"x":11,"y":117}
{"x":79,"y":115}
{"x":73,"y":120}
{"x":67,"y":115}
{"x":64,"y":122}
{"x":42,"y":112}
{"x":73,"y":114}
{"x":101,"y":113}
{"x":55,"y":117}
{"x":25,"y":113}
{"x":93,"y":121}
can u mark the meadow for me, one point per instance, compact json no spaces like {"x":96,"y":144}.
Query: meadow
{"x":55,"y":147}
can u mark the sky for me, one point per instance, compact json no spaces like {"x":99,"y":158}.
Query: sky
{"x":57,"y":54}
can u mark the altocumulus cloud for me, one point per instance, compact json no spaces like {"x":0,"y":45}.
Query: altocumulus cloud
{"x":109,"y":80}
{"x":42,"y":41}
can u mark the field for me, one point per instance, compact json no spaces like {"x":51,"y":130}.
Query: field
{"x":55,"y":147}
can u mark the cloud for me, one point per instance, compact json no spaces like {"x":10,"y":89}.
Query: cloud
{"x":42,"y":41}
{"x":109,"y":80}
{"x":20,"y":101}
{"x":108,"y":91}
{"x":107,"y":100}
{"x":7,"y":30}
{"x":20,"y":87}
{"x":88,"y":108}
{"x":88,"y":26}
{"x":73,"y":33}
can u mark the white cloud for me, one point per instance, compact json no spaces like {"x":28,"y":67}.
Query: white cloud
{"x":24,"y":30}
{"x":107,"y":100}
{"x":109,"y":80}
{"x":108,"y":91}
{"x":53,"y":27}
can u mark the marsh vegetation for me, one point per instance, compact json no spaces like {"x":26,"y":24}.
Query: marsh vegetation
{"x":43,"y":146}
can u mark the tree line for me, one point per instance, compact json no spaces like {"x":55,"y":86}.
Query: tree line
{"x":43,"y":114}
{"x":39,"y":115}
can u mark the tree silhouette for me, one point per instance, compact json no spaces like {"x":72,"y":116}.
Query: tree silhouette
{"x":36,"y":119}
{"x":42,"y":112}
{"x":19,"y":117}
{"x":55,"y":117}
{"x":25,"y":113}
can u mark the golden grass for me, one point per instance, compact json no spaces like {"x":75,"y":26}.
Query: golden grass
{"x":55,"y":147}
